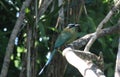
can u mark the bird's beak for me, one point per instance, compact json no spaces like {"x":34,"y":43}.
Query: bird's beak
{"x":77,"y":25}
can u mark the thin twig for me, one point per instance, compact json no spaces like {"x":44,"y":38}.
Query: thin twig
{"x":29,"y":37}
{"x":60,"y":20}
{"x":44,"y":7}
{"x":105,"y":20}
{"x":36,"y":12}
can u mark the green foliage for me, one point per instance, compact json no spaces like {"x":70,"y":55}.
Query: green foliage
{"x":27,"y":10}
{"x":108,"y":44}
{"x":47,"y":33}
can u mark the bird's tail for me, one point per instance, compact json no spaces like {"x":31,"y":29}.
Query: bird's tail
{"x":49,"y":60}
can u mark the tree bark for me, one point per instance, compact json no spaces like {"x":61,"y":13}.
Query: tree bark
{"x":9,"y":49}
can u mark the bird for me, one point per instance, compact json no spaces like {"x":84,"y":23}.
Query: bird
{"x":66,"y":36}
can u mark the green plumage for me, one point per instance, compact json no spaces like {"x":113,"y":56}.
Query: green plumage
{"x":68,"y":35}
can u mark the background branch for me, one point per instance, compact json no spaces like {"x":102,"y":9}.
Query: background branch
{"x":9,"y":49}
{"x":98,"y":30}
{"x":83,"y":40}
{"x":81,"y":60}
{"x":44,"y":7}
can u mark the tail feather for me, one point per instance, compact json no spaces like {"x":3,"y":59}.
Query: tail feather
{"x":49,"y":60}
{"x":42,"y":70}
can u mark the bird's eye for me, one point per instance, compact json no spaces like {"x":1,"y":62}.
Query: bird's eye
{"x":71,"y":25}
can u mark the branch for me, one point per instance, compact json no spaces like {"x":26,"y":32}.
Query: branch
{"x":98,"y":30}
{"x":87,"y":67}
{"x":83,"y":40}
{"x":29,"y":44}
{"x":60,"y":20}
{"x":44,"y":7}
{"x":9,"y":49}
{"x":82,"y":62}
{"x":117,"y":68}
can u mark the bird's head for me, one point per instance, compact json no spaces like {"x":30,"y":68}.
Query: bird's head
{"x":72,"y":25}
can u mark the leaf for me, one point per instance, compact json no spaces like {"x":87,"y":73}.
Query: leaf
{"x":91,"y":23}
{"x":102,"y":42}
{"x":27,"y":10}
{"x":43,"y":36}
{"x":110,"y":72}
{"x":41,"y":29}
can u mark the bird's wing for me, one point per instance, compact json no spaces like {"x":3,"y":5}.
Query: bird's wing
{"x":62,"y":38}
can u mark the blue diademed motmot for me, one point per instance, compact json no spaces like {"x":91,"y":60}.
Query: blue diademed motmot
{"x":68,"y":35}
